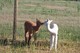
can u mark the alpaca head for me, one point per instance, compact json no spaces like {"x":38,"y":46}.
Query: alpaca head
{"x":47,"y":22}
{"x":39,"y":23}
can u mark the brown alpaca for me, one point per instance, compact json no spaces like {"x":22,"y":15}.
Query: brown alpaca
{"x":31,"y":28}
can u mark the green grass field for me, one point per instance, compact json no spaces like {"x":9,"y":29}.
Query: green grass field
{"x":65,"y":13}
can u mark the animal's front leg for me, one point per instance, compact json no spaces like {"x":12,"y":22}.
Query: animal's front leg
{"x":51,"y":41}
{"x":35,"y":37}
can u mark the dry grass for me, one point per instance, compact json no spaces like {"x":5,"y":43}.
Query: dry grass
{"x":19,"y":47}
{"x":65,"y":14}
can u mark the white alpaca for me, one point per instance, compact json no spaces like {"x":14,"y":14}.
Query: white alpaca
{"x":53,"y":29}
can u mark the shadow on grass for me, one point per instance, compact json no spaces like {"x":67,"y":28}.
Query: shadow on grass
{"x":19,"y":43}
{"x":16,"y":43}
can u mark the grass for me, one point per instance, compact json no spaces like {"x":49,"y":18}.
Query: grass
{"x":64,"y":13}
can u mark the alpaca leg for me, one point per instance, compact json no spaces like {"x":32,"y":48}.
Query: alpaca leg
{"x":51,"y":42}
{"x":35,"y":37}
{"x":26,"y":34}
{"x":30,"y":35}
{"x":56,"y":38}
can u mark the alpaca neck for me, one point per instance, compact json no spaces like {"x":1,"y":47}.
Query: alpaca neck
{"x":54,"y":29}
{"x":36,"y":27}
{"x":49,"y":27}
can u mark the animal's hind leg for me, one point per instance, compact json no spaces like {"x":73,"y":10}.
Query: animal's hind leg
{"x":29,"y":39}
{"x":56,"y":38}
{"x":26,"y":36}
